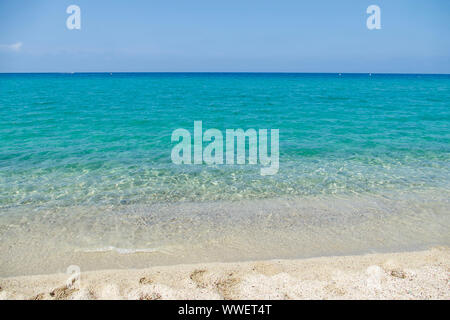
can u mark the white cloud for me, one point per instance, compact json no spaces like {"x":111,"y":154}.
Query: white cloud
{"x":11,"y":47}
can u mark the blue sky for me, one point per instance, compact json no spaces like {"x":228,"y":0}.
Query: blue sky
{"x":210,"y":35}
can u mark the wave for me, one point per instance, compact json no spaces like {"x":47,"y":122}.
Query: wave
{"x":120,"y":250}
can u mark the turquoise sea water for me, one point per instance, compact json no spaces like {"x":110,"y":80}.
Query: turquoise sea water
{"x":91,"y":153}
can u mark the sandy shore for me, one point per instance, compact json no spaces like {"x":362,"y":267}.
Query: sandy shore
{"x":406,"y":275}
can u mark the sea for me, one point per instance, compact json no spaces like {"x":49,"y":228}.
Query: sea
{"x":87,"y":177}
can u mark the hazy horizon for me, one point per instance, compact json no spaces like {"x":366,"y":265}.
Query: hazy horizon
{"x":231,"y":72}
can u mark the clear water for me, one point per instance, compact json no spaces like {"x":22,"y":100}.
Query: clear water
{"x":85,"y":167}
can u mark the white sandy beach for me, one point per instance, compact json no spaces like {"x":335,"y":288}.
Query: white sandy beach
{"x":405,"y":275}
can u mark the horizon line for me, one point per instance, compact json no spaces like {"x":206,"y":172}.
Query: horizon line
{"x":230,"y":72}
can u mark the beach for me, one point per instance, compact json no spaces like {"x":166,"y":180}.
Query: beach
{"x":234,"y":150}
{"x":404,"y":275}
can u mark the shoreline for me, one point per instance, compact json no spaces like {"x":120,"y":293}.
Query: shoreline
{"x":401,"y":275}
{"x":162,"y":234}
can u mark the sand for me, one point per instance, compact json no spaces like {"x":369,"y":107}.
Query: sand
{"x":405,"y":275}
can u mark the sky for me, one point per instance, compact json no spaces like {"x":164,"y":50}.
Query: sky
{"x":225,"y":36}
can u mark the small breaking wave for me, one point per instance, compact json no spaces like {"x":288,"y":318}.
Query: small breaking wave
{"x":120,"y":250}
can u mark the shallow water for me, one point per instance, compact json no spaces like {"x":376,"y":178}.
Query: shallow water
{"x":132,"y":236}
{"x":86,"y":176}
